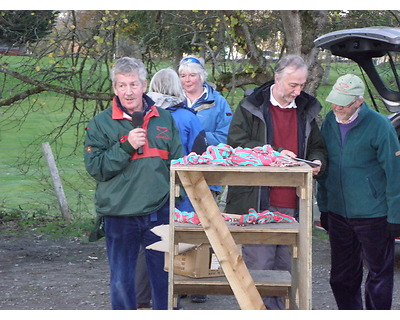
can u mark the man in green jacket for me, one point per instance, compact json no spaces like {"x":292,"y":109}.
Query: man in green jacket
{"x":359,"y":197}
{"x":128,"y":150}
{"x":281,"y":114}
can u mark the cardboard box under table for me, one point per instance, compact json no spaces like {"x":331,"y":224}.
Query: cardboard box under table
{"x":198,"y":262}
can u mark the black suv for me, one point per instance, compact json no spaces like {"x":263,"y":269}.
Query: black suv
{"x":377,"y":51}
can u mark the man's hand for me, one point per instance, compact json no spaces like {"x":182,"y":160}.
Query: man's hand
{"x":288,"y":153}
{"x":317,"y":169}
{"x":137,"y":137}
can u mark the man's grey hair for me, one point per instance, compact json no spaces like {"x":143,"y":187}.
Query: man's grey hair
{"x":166,"y":81}
{"x":291,"y":61}
{"x":128,"y":65}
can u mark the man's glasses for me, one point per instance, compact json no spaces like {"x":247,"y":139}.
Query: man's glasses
{"x":349,"y":105}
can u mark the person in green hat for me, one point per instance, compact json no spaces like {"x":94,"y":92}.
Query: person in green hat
{"x":359,"y":197}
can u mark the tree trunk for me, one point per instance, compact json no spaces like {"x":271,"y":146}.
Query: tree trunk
{"x":327,"y":70}
{"x":301,"y":28}
{"x":293,"y":31}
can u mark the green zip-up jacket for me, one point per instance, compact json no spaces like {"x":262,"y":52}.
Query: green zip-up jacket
{"x":252,"y":126}
{"x":129,"y":184}
{"x":362,"y":179}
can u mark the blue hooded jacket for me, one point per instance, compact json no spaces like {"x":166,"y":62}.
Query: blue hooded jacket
{"x":215,"y":115}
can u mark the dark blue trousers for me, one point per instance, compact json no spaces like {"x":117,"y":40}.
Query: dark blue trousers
{"x":356,"y":243}
{"x":124,"y":235}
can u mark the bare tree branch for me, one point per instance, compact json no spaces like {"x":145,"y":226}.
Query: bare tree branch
{"x":20,"y":96}
{"x":43,"y":86}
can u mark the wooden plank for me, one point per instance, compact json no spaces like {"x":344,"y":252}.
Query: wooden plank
{"x":304,"y":271}
{"x":267,"y":282}
{"x":172,"y":301}
{"x":257,"y":228}
{"x":252,"y":179}
{"x":289,"y":239}
{"x":274,"y":233}
{"x":226,"y":290}
{"x":221,"y":241}
{"x":304,"y":168}
{"x":248,"y":175}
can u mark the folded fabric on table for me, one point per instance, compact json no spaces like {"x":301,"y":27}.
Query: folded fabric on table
{"x":186,"y":217}
{"x":225,"y":155}
{"x":252,"y":217}
{"x":264,"y":217}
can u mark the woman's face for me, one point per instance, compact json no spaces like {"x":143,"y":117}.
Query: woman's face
{"x":191,"y":82}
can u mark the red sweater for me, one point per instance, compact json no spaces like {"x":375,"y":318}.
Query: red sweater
{"x":285,"y":136}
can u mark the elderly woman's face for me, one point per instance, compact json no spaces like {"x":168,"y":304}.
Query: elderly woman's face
{"x":191,"y":82}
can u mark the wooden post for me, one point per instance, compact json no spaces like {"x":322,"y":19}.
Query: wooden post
{"x":58,"y":188}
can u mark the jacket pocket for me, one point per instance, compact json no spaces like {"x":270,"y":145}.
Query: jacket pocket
{"x":376,"y":184}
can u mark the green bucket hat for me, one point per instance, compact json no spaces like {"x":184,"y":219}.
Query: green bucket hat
{"x":345,"y":90}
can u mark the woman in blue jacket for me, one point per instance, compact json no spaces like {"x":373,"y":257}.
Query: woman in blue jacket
{"x":210,"y":106}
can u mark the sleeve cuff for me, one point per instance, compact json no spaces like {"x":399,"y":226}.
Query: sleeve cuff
{"x":127,"y":147}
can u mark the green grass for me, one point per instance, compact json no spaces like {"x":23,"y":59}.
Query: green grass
{"x":320,"y":235}
{"x":26,"y":186}
{"x":27,"y":197}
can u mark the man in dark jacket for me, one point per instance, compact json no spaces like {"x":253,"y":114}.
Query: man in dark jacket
{"x":278,"y":113}
{"x":359,"y":197}
{"x":130,"y":161}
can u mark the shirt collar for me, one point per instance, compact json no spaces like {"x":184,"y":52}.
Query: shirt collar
{"x":351,"y":119}
{"x":203,"y":95}
{"x":119,"y":113}
{"x":276,"y":103}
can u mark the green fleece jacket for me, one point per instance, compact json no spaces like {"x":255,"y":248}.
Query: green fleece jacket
{"x":130,"y":184}
{"x":362,"y":179}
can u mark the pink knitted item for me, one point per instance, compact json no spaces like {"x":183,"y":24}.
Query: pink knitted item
{"x":264,"y":217}
{"x":251,"y":218}
{"x":192,"y":217}
{"x":186,"y":217}
{"x":225,"y":155}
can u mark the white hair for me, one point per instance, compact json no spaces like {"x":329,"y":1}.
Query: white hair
{"x":193,"y":64}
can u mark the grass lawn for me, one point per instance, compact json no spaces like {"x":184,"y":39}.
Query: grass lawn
{"x":26,"y":182}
